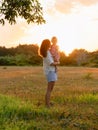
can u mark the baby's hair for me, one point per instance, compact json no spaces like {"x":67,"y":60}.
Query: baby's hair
{"x":53,"y":38}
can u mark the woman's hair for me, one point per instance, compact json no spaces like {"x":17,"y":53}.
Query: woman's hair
{"x":45,"y":45}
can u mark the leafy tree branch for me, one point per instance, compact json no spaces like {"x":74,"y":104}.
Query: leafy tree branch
{"x":30,"y":10}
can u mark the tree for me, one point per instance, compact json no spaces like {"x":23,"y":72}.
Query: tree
{"x":93,"y":58}
{"x":30,"y":10}
{"x":63,"y":58}
{"x":79,"y":56}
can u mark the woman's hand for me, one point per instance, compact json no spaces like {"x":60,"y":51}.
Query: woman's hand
{"x":55,"y":63}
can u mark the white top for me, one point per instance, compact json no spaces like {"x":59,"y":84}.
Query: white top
{"x":46,"y":63}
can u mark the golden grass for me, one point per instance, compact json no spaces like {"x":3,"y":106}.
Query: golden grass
{"x":30,"y":82}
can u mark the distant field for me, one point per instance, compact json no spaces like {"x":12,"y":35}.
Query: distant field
{"x":75,"y":99}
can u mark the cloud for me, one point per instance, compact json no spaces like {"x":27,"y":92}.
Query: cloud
{"x":65,"y":6}
{"x":87,"y":2}
{"x":95,"y":19}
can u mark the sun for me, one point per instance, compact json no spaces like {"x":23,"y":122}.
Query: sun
{"x":65,"y":31}
{"x":66,"y":46}
{"x":67,"y":39}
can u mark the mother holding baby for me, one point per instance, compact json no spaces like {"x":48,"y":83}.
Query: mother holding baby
{"x":49,"y":65}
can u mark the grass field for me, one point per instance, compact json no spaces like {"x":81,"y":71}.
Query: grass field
{"x":74,"y":98}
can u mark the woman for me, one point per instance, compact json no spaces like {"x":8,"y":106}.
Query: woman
{"x":49,"y":68}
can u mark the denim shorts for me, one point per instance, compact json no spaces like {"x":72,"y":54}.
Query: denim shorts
{"x":51,"y":76}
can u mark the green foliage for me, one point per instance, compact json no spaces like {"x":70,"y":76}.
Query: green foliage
{"x":93,"y":56}
{"x":30,"y":10}
{"x":20,"y":60}
{"x":28,"y":55}
{"x":20,"y":56}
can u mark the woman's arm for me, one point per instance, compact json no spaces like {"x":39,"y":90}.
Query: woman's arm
{"x":50,"y":60}
{"x":55,"y":63}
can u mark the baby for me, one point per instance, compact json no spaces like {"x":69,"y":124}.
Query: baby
{"x":55,"y":50}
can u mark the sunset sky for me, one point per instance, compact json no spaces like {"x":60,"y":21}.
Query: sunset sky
{"x":74,"y":22}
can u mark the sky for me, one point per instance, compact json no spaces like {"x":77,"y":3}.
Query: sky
{"x":73,"y":22}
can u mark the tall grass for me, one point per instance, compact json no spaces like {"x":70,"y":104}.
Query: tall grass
{"x":75,"y":99}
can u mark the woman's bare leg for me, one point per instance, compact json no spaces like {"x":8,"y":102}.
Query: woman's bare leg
{"x":48,"y":93}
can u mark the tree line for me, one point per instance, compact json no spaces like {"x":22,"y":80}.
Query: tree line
{"x":22,"y":55}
